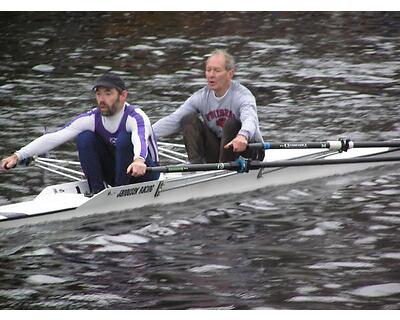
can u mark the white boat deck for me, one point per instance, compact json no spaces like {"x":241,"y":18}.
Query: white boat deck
{"x":40,"y":205}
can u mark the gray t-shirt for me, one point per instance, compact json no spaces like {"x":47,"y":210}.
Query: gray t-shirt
{"x":238,"y":102}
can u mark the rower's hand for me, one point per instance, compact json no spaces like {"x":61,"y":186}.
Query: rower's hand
{"x":137,"y":168}
{"x":239,"y":144}
{"x":9,"y":162}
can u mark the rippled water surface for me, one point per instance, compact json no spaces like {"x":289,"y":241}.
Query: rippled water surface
{"x":322,"y":244}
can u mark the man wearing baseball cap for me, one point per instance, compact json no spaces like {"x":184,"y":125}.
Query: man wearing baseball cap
{"x":110,"y":81}
{"x":115,"y":139}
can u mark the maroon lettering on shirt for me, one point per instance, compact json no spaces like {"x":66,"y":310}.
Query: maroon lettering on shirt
{"x":221,"y":115}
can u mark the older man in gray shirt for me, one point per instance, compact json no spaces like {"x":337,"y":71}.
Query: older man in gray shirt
{"x":229,"y":119}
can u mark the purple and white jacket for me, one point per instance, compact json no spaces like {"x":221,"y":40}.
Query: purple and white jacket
{"x":131,"y":119}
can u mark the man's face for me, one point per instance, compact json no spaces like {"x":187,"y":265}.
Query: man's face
{"x":108,"y":101}
{"x":218,"y":77}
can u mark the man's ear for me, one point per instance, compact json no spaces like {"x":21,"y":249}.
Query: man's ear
{"x":124,"y":94}
{"x":231,"y":73}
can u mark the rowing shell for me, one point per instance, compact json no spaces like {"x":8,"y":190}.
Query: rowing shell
{"x":67,"y":200}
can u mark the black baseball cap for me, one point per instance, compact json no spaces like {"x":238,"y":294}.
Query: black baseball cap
{"x":110,"y":81}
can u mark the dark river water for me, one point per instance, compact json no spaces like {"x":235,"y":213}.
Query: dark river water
{"x":322,"y":244}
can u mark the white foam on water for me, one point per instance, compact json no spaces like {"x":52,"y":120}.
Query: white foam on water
{"x":67,"y":250}
{"x":8,"y":86}
{"x":388,"y":192}
{"x":374,"y":205}
{"x":127,"y":238}
{"x":366,"y":240}
{"x":329,"y":225}
{"x":391,"y":255}
{"x":387,"y":219}
{"x":282,"y":198}
{"x":100,"y":299}
{"x":314,"y":232}
{"x":158,"y":53}
{"x":368,"y":183}
{"x":379,"y":290}
{"x":141,"y":47}
{"x":95,"y":273}
{"x":43,"y":68}
{"x":17,"y":294}
{"x":339,"y":264}
{"x":40,"y":252}
{"x":209,"y":268}
{"x":324,"y":299}
{"x":307,"y":289}
{"x":103,"y":68}
{"x":378,"y":227}
{"x":359,"y":199}
{"x":393,"y":213}
{"x":332,"y":285}
{"x":113,"y":248}
{"x":298,"y":193}
{"x":174,"y":41}
{"x":45,"y":279}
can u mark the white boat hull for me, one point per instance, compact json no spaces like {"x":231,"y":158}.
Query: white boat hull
{"x":67,"y":200}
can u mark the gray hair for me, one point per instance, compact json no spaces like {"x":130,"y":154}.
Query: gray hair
{"x":229,"y":59}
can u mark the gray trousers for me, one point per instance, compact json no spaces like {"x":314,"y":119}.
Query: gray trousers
{"x":203,"y":146}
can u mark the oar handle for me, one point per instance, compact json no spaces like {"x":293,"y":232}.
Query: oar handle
{"x":25,"y":162}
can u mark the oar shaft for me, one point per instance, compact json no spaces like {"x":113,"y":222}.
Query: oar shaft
{"x":194,"y":167}
{"x":255,"y":164}
{"x":377,"y":144}
{"x":338,"y":145}
{"x":318,"y":162}
{"x":294,"y":145}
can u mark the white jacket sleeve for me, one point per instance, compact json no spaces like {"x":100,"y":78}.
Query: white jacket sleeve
{"x":172,"y":123}
{"x":248,"y":117}
{"x":51,"y":140}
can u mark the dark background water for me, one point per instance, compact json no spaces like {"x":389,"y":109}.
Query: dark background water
{"x":324,"y":244}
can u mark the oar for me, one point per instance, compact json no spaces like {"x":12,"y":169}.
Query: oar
{"x":244,"y":165}
{"x":340,"y":145}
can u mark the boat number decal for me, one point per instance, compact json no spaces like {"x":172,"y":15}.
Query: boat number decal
{"x":135,"y":190}
{"x":220,"y":166}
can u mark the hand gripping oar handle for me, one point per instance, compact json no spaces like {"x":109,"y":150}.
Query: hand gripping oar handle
{"x":340,"y":145}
